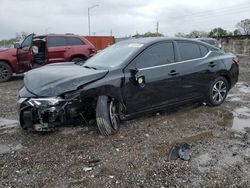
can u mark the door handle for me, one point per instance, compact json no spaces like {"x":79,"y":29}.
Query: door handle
{"x":173,"y":73}
{"x":212,"y":64}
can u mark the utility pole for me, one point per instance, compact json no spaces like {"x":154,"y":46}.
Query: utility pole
{"x":89,"y":8}
{"x":157,"y":27}
{"x":111,"y":32}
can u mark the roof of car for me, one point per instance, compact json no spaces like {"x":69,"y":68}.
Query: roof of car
{"x":59,"y":35}
{"x":206,"y":38}
{"x":150,"y":40}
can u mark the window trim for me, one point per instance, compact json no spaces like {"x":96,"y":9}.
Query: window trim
{"x":178,"y":62}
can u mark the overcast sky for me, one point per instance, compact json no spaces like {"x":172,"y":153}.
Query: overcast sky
{"x":124,"y":17}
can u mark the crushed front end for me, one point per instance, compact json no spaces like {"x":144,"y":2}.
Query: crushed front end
{"x":42,"y":114}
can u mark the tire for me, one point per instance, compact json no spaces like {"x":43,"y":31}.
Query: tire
{"x":78,"y":60}
{"x":217,"y":91}
{"x":5,"y":72}
{"x":108,"y":121}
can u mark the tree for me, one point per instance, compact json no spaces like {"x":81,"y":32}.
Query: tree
{"x":197,"y":34}
{"x":148,"y":34}
{"x":244,"y":27}
{"x":236,"y":32}
{"x":8,"y":42}
{"x":193,"y":34}
{"x":218,"y":32}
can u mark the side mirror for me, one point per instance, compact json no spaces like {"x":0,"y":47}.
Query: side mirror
{"x":17,"y":45}
{"x":137,"y":77}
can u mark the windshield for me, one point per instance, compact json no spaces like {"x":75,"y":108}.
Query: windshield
{"x":113,"y":56}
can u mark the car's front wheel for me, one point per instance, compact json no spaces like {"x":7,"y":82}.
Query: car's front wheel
{"x":5,"y":72}
{"x":217,"y":91}
{"x":107,"y":115}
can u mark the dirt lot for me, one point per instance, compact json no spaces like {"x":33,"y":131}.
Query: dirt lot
{"x":138,"y":155}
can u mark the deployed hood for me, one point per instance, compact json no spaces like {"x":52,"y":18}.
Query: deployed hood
{"x":55,"y":79}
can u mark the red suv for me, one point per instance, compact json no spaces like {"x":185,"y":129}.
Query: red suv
{"x":39,"y":50}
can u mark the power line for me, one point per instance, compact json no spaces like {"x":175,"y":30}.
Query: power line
{"x":209,"y":17}
{"x":213,"y":11}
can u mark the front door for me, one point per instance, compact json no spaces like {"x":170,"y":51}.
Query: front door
{"x":162,"y":80}
{"x":24,"y":55}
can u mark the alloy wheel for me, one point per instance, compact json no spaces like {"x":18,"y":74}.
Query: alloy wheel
{"x":219,"y":91}
{"x":4,"y":72}
{"x":113,"y":113}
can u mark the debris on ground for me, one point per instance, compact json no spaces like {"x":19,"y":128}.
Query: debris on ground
{"x":180,"y":150}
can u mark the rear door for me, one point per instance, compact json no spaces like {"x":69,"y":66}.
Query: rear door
{"x":162,"y":80}
{"x":196,"y":69}
{"x":76,"y":47}
{"x":24,"y":55}
{"x":57,"y":48}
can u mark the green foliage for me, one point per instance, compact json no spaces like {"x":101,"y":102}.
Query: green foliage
{"x":236,"y":32}
{"x":8,"y":42}
{"x":149,"y":34}
{"x":196,"y":34}
{"x":218,"y":32}
{"x":244,"y":27}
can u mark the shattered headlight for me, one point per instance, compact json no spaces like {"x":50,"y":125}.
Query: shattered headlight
{"x":44,"y":102}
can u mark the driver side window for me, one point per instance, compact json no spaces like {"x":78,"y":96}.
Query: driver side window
{"x":158,"y":54}
{"x":27,"y":41}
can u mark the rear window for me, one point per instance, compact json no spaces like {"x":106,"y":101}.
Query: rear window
{"x":189,"y":50}
{"x":204,"y":50}
{"x":158,"y":54}
{"x":74,"y":41}
{"x":56,"y":41}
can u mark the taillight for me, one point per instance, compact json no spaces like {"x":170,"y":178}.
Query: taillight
{"x":236,"y":60}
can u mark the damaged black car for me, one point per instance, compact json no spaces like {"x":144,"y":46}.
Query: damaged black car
{"x":127,"y":79}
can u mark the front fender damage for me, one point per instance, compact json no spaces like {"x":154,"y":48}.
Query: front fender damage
{"x":77,"y":107}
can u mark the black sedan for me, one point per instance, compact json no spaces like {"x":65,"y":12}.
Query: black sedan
{"x":127,"y":79}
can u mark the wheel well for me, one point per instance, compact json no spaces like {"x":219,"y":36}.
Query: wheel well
{"x":79,"y":56}
{"x":92,"y":100}
{"x":227,"y":78}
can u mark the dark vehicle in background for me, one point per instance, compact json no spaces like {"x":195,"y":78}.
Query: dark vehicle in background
{"x":127,"y":79}
{"x":211,"y":41}
{"x":40,"y":50}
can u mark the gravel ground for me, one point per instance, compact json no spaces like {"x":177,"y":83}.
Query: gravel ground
{"x":138,"y":155}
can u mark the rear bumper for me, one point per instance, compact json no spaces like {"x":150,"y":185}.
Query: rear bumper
{"x":234,"y":74}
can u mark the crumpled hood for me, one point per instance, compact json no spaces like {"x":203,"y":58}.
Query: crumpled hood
{"x":55,"y":79}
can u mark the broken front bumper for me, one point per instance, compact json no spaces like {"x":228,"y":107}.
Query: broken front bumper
{"x":41,"y":114}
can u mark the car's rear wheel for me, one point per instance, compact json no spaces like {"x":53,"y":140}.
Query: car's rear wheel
{"x":107,"y":115}
{"x":5,"y":72}
{"x":78,"y":60}
{"x":217,"y":92}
